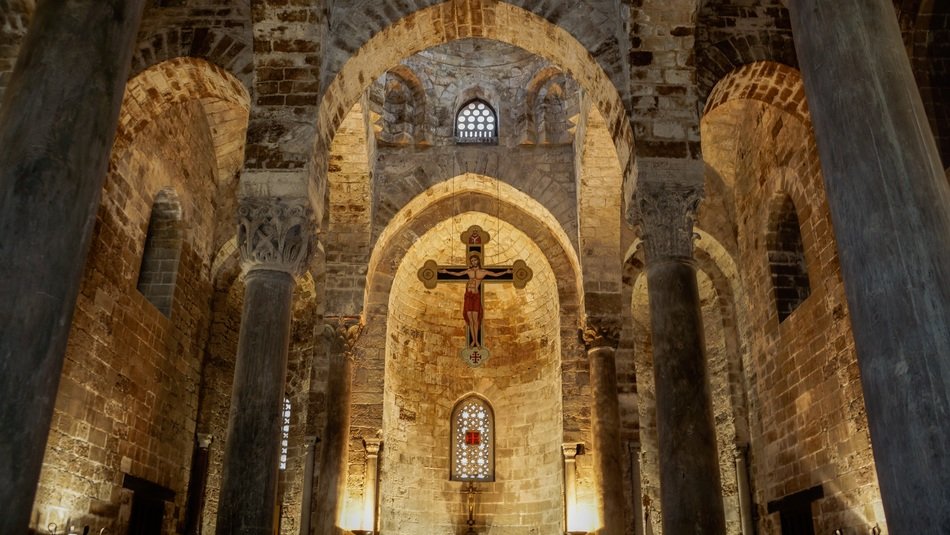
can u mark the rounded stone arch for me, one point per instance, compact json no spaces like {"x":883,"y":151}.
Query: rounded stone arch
{"x":771,"y":83}
{"x":230,"y":50}
{"x":450,"y":193}
{"x":226,"y":102}
{"x":412,"y":128}
{"x":722,"y":43}
{"x":394,"y":244}
{"x":459,"y":19}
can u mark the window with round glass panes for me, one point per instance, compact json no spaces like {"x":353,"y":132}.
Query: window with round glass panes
{"x":476,"y":122}
{"x":473,"y":441}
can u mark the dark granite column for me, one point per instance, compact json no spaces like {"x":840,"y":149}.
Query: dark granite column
{"x":274,"y":240}
{"x":57,"y":122}
{"x":331,"y":483}
{"x":601,"y":338}
{"x":690,"y":489}
{"x":890,"y":204}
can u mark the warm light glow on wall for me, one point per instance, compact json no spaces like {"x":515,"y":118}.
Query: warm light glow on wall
{"x":352,"y":515}
{"x":582,"y":519}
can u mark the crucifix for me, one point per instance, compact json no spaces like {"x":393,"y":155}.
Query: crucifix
{"x":475,"y":274}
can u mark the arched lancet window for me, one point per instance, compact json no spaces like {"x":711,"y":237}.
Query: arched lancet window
{"x":473,"y":441}
{"x":787,"y":258}
{"x":476,"y":122}
{"x":159,"y":267}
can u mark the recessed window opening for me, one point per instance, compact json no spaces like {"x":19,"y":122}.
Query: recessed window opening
{"x":787,"y":259}
{"x":285,"y":434}
{"x":159,"y":269}
{"x":473,"y":441}
{"x":476,"y":122}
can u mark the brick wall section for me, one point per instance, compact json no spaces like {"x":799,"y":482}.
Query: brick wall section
{"x":289,"y":47}
{"x":218,"y":31}
{"x":808,"y":424}
{"x":129,"y":392}
{"x":733,"y":33}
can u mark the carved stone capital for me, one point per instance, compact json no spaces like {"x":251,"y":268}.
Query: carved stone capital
{"x":666,"y":213}
{"x":275,"y":234}
{"x":571,"y":450}
{"x":204,"y":440}
{"x":601,"y":332}
{"x":372,"y":446}
{"x":343,"y":332}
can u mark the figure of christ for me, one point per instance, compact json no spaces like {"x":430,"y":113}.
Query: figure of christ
{"x":472,"y":304}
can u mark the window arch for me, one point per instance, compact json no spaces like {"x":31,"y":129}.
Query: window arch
{"x":473,"y":441}
{"x":476,"y":122}
{"x":787,"y":258}
{"x":159,"y":268}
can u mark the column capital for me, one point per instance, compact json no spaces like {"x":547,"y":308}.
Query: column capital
{"x":372,"y":446}
{"x":666,"y":213}
{"x":275,"y":234}
{"x":204,"y":440}
{"x":571,"y":450}
{"x":343,"y":332}
{"x":601,"y":333}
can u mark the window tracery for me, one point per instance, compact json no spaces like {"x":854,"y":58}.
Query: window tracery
{"x":476,"y":122}
{"x":473,"y":441}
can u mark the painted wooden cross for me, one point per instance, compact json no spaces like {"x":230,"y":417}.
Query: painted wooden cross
{"x":474,"y":275}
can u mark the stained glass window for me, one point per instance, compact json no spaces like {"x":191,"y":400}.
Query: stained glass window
{"x":285,"y":434}
{"x":473,"y":441}
{"x":476,"y":123}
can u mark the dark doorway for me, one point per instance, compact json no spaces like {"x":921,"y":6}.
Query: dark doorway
{"x":148,"y":505}
{"x":795,"y":511}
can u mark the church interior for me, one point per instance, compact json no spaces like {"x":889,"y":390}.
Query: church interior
{"x":425,"y":267}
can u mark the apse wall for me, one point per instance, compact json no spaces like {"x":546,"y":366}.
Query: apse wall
{"x":425,"y":377}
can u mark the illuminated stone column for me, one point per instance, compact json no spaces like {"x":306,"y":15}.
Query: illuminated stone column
{"x":341,"y":334}
{"x":274,"y":238}
{"x":601,"y":337}
{"x":890,"y":204}
{"x":690,"y":489}
{"x":372,"y":446}
{"x":57,"y":124}
{"x":569,"y":449}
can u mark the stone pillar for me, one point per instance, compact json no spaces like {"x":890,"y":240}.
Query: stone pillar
{"x":306,"y":497}
{"x":633,"y":453}
{"x":744,"y":490}
{"x":890,"y":203}
{"x":600,"y":338}
{"x":372,"y":446}
{"x":197,"y":483}
{"x":690,"y":489}
{"x":274,"y":238}
{"x":57,"y":123}
{"x":341,"y":337}
{"x":569,"y":450}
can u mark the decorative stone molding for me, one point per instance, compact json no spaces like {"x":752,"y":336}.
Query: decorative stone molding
{"x":601,"y":332}
{"x":571,"y":450}
{"x":275,"y":234}
{"x":666,"y":213}
{"x":343,"y":333}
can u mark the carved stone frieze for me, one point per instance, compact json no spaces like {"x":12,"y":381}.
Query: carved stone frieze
{"x":601,"y":332}
{"x":275,"y":234}
{"x":666,"y":213}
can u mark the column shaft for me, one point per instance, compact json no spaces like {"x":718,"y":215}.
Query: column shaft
{"x":890,"y":204}
{"x":605,"y":427}
{"x":331,"y":484}
{"x":690,"y":490}
{"x":252,"y":447}
{"x":57,"y":123}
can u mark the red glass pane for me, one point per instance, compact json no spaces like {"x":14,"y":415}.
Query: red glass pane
{"x":473,"y":438}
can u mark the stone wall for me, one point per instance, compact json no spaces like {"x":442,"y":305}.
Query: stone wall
{"x":128,"y":397}
{"x":808,"y":422}
{"x":425,"y":378}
